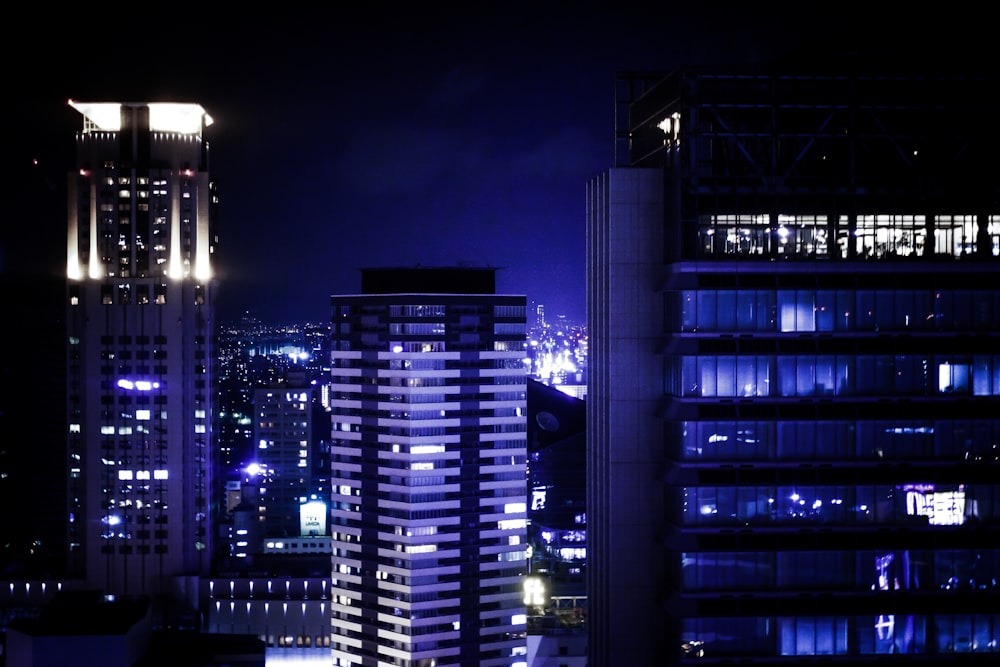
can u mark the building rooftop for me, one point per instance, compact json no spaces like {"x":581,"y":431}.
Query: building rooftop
{"x":163,"y":116}
{"x":429,"y":280}
{"x":84,"y":612}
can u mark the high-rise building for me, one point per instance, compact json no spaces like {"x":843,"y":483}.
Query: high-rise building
{"x":283,"y":436}
{"x":141,"y":354}
{"x":428,"y":511}
{"x":794,"y":398}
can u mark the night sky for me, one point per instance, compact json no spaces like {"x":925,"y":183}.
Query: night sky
{"x":351,"y":138}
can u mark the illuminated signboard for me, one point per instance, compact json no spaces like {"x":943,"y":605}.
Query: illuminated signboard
{"x":312,"y":518}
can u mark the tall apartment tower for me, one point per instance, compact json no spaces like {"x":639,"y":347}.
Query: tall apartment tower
{"x":141,"y":237}
{"x":794,"y":400}
{"x":429,"y":487}
{"x":283,"y":437}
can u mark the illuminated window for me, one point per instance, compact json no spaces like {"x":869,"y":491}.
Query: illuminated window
{"x":953,"y":378}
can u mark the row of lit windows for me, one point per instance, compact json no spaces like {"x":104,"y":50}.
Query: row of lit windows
{"x":417,"y":430}
{"x":350,"y":449}
{"x":873,"y":634}
{"x":142,"y":474}
{"x":123,"y":295}
{"x":439,"y":310}
{"x":454,"y":411}
{"x":160,"y":534}
{"x":915,"y":504}
{"x":466,"y":342}
{"x":842,"y":570}
{"x":874,"y":236}
{"x":416,"y":328}
{"x":841,"y":440}
{"x":424,"y":397}
{"x":397,"y":364}
{"x":834,"y":310}
{"x":832,"y":375}
{"x":428,"y":363}
{"x":420,"y":310}
{"x":296,"y":641}
{"x":125,"y":180}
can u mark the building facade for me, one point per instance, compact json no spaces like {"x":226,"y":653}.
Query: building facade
{"x":283,"y":480}
{"x":428,"y":510}
{"x":140,"y":291}
{"x":794,"y":392}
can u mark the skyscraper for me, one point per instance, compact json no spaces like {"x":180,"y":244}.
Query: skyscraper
{"x":141,"y":238}
{"x":428,"y":400}
{"x":794,"y":393}
{"x":283,"y":433}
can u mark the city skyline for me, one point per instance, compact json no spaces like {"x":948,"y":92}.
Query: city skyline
{"x":485,"y":154}
{"x":344,"y":143}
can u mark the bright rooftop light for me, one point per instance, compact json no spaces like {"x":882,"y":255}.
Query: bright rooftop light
{"x":163,"y":116}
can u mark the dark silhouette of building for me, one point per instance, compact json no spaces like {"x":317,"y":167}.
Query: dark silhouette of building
{"x":84,"y":628}
{"x":32,"y":428}
{"x":557,"y":488}
{"x":555,"y":588}
{"x":794,"y":316}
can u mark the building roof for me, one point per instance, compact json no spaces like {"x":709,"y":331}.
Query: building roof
{"x":84,"y":612}
{"x":177,"y":117}
{"x":429,"y":280}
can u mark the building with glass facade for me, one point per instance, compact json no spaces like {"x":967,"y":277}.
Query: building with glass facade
{"x":428,"y":402}
{"x":794,"y":400}
{"x":140,"y":324}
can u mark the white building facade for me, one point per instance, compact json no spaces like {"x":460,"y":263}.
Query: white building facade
{"x":428,"y":508}
{"x":140,"y":290}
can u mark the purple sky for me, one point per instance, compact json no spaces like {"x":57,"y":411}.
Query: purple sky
{"x":347,"y":140}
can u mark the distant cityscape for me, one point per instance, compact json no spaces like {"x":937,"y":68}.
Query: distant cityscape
{"x":255,"y":359}
{"x":361,"y":487}
{"x":783,"y":448}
